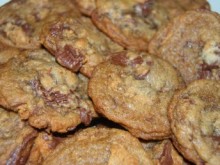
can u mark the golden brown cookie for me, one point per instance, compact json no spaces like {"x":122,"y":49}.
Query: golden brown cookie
{"x":7,"y":52}
{"x":77,"y":44}
{"x":86,"y":6}
{"x":100,"y":146}
{"x":134,"y":89}
{"x":16,"y":138}
{"x":43,"y":145}
{"x":22,"y":20}
{"x":44,"y":93}
{"x":132,"y":23}
{"x":195,"y":121}
{"x":191,"y":43}
{"x":163,"y":153}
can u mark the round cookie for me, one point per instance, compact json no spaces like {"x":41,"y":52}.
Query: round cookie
{"x":16,"y":138}
{"x":191,"y":43}
{"x":163,"y":153}
{"x":100,"y":146}
{"x":134,"y":89}
{"x":195,"y":121}
{"x":132,"y":23}
{"x":22,"y":20}
{"x":86,"y":6}
{"x":43,"y":92}
{"x":77,"y":44}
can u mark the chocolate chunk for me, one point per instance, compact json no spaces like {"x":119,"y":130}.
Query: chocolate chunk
{"x":50,"y":97}
{"x":70,"y":58}
{"x":166,"y":157}
{"x":85,"y":116}
{"x":138,"y":60}
{"x":206,"y":70}
{"x":120,"y":59}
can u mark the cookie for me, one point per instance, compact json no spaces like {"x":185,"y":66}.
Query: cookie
{"x":163,"y":153}
{"x":43,"y":145}
{"x":44,"y":93}
{"x":195,"y":121}
{"x":191,"y":43}
{"x":134,"y":89}
{"x":86,"y":6}
{"x":104,"y":146}
{"x":77,"y":44}
{"x":16,"y":138}
{"x":7,"y":52}
{"x":22,"y":20}
{"x":132,"y":23}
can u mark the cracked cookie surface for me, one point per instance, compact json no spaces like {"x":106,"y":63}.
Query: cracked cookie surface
{"x":191,"y":43}
{"x":195,"y":121}
{"x":134,"y":89}
{"x":46,"y":94}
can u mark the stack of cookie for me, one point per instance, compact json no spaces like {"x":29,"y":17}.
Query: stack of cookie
{"x":107,"y":82}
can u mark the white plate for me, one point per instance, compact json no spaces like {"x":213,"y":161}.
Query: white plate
{"x":215,"y":4}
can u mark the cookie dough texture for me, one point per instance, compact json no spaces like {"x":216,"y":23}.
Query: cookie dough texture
{"x":191,"y":43}
{"x":195,"y":121}
{"x":77,"y":44}
{"x":44,"y":93}
{"x":22,"y":20}
{"x":134,"y":90}
{"x":100,"y":146}
{"x":16,"y":138}
{"x":132,"y":23}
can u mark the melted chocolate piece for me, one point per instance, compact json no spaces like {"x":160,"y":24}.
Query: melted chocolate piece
{"x":70,"y":58}
{"x":166,"y":157}
{"x":50,"y":97}
{"x":120,"y":59}
{"x":137,"y":60}
{"x":85,"y":116}
{"x":21,"y":153}
{"x":206,"y":70}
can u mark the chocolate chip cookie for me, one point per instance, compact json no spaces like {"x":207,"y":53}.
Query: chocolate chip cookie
{"x":46,"y":94}
{"x":134,"y":89}
{"x":191,"y":43}
{"x":132,"y":23}
{"x":22,"y":20}
{"x":100,"y":146}
{"x":77,"y":44}
{"x":195,"y":121}
{"x":16,"y":138}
